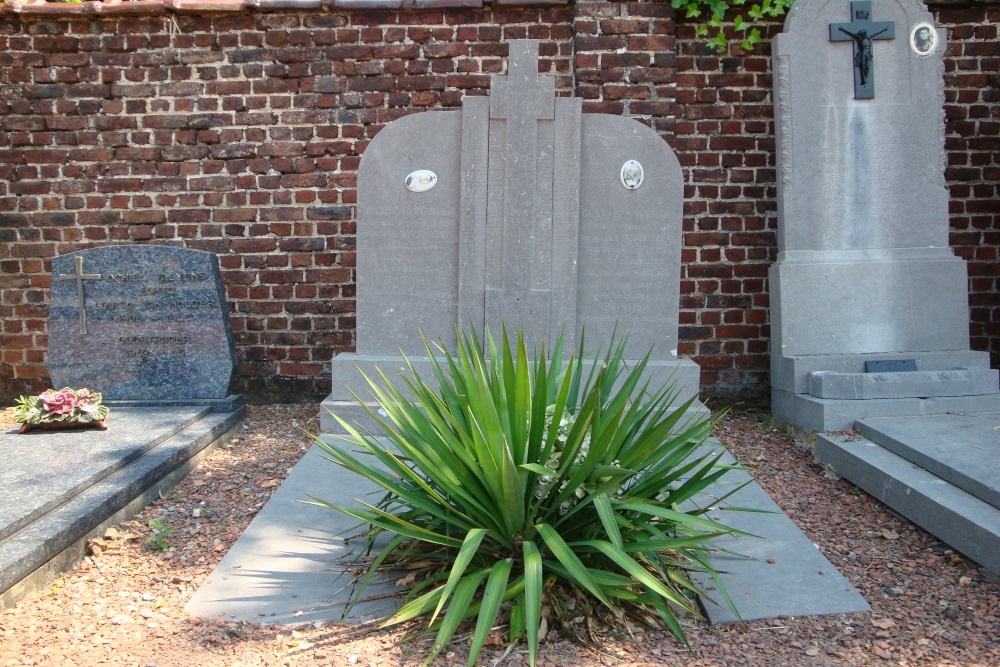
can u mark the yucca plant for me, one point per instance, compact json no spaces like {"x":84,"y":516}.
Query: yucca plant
{"x":523,"y":474}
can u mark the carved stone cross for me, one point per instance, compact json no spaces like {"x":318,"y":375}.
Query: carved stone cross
{"x":521,"y":104}
{"x":79,"y":277}
{"x":862,"y":31}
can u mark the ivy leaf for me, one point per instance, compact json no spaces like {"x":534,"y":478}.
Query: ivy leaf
{"x":740,"y":24}
{"x":751,"y":40}
{"x":719,"y":10}
{"x":702,"y":31}
{"x":692,"y":11}
{"x":755,"y":13}
{"x":718,"y":42}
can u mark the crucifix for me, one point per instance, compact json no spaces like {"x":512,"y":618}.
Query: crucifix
{"x":862,"y":31}
{"x":79,"y":277}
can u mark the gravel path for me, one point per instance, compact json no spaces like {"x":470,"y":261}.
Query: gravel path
{"x":123,"y":605}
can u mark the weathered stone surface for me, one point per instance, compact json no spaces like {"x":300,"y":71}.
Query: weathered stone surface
{"x":909,"y":384}
{"x":860,"y":302}
{"x":143,"y":323}
{"x":531,"y":222}
{"x":864,"y":269}
{"x":858,"y":173}
{"x":961,"y":449}
{"x":837,"y":414}
{"x":963,"y":521}
{"x":792,"y":373}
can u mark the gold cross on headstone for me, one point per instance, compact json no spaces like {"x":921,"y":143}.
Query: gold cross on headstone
{"x":79,"y":277}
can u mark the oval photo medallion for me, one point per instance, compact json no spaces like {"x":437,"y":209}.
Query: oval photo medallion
{"x":632,"y":174}
{"x":923,"y":39}
{"x":421,"y":180}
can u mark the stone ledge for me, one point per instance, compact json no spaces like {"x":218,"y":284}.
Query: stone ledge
{"x":154,"y":7}
{"x":905,"y":384}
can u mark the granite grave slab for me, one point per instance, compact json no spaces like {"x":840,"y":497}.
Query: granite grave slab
{"x":960,"y":450}
{"x":59,"y":487}
{"x":43,"y":470}
{"x":140,"y":323}
{"x":290,"y":566}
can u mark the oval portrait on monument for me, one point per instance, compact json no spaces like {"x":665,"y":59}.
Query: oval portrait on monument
{"x":923,"y":39}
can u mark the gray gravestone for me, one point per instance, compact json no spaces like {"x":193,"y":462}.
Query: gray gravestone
{"x":140,"y":323}
{"x":864,"y":271}
{"x":517,"y":209}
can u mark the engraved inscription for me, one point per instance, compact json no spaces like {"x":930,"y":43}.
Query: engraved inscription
{"x":158,"y":297}
{"x":158,"y":325}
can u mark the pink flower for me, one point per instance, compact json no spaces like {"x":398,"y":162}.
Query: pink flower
{"x":61,"y":402}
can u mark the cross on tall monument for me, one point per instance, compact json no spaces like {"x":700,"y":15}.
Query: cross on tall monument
{"x":79,"y":277}
{"x":861,"y":31}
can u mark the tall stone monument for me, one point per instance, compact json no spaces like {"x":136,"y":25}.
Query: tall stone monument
{"x":869,"y":304}
{"x":517,"y":209}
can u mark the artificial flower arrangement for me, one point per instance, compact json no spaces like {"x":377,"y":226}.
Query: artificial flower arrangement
{"x":66,"y":408}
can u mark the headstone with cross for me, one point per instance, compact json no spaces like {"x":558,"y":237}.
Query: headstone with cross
{"x":864,"y":272}
{"x":145,"y":323}
{"x":522,"y":210}
{"x":861,"y":31}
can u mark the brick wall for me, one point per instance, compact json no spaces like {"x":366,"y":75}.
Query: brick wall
{"x":972,"y":112}
{"x":241,"y":134}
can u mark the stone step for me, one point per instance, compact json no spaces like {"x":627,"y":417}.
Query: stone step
{"x":58,"y":488}
{"x":356,"y":415}
{"x":963,"y":450}
{"x":906,"y":384}
{"x":954,"y":516}
{"x":831,"y":414}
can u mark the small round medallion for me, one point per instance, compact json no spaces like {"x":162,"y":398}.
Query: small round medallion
{"x":632,"y":175}
{"x":421,"y":180}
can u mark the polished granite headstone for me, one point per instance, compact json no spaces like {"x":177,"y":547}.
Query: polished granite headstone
{"x":140,"y":323}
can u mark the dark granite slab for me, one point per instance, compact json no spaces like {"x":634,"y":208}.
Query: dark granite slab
{"x":120,"y":483}
{"x":44,"y":469}
{"x":140,"y":322}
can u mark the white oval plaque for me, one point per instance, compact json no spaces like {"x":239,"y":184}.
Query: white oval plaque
{"x":632,"y":174}
{"x":923,"y":39}
{"x":421,"y":180}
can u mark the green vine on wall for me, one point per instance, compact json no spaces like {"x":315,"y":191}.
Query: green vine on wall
{"x":716,"y":11}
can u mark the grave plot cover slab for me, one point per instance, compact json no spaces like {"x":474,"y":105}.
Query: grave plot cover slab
{"x":961,"y":449}
{"x":44,"y":469}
